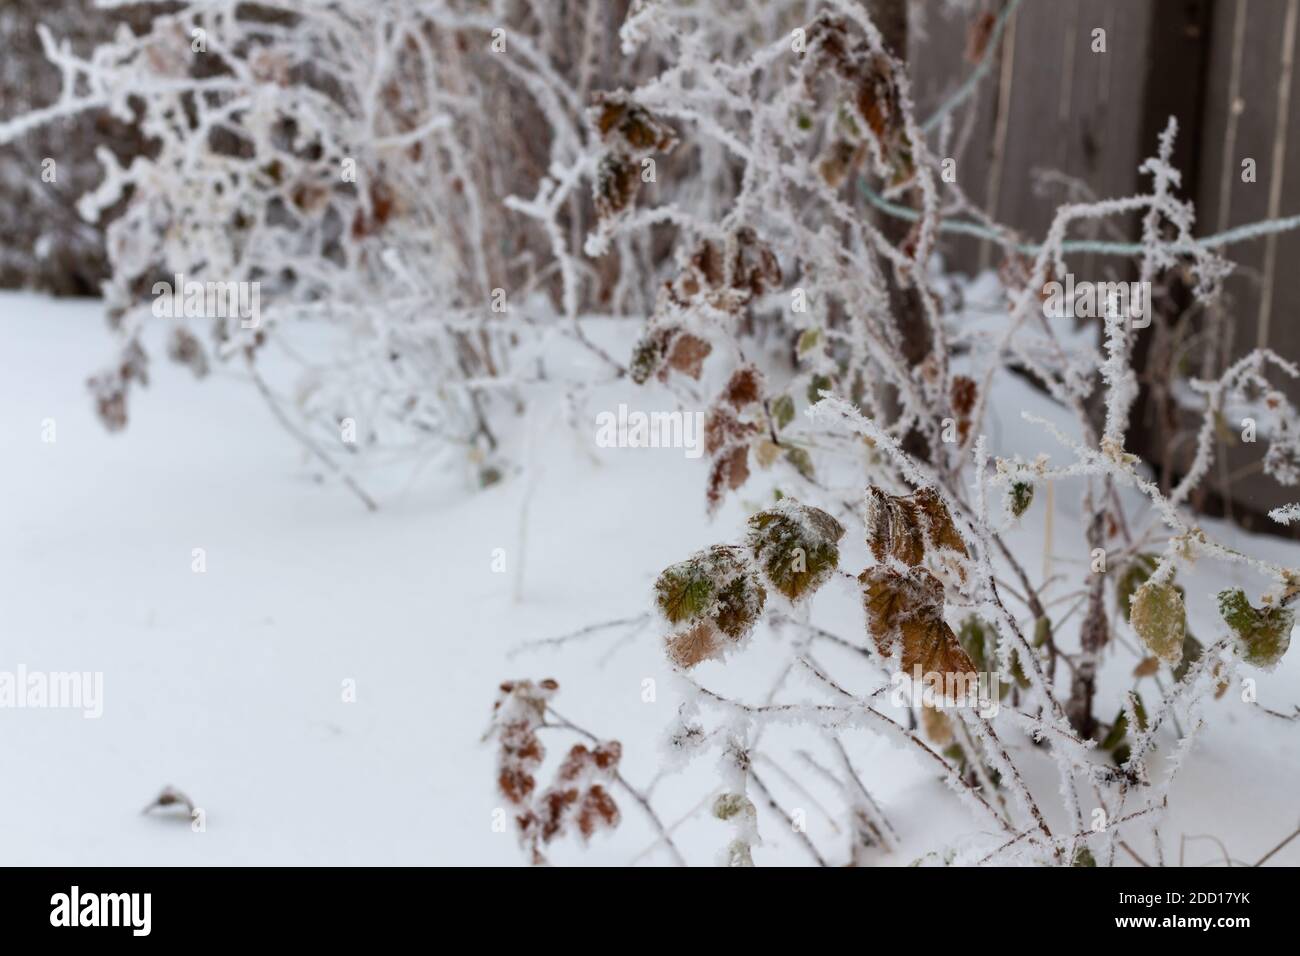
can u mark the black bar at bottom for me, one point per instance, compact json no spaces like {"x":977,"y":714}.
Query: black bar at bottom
{"x":334,"y":906}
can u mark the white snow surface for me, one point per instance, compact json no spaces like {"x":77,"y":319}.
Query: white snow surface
{"x":227,"y":684}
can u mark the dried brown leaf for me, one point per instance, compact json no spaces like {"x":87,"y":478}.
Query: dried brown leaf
{"x":617,"y":182}
{"x":745,"y":387}
{"x":696,"y":644}
{"x":686,"y":354}
{"x":729,"y":471}
{"x":936,"y":726}
{"x":1146,"y":667}
{"x":978,"y":35}
{"x":909,"y":527}
{"x":905,"y":618}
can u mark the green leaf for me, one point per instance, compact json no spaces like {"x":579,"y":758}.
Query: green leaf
{"x":801,"y":460}
{"x":783,"y":410}
{"x":1017,"y":673}
{"x":713,"y":599}
{"x":729,"y":805}
{"x":1116,"y":740}
{"x":1042,"y":631}
{"x":795,"y":546}
{"x":1192,"y":651}
{"x":1134,"y":576}
{"x":684,"y":591}
{"x":1021,"y":497}
{"x":717,"y":581}
{"x":819,"y":383}
{"x":1115,"y":736}
{"x":648,"y":356}
{"x":1083,"y":857}
{"x":1158,"y":616}
{"x":972,"y":637}
{"x":808,"y":340}
{"x":980,"y":643}
{"x":1263,"y":634}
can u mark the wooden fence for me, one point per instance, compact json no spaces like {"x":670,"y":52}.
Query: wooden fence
{"x":1055,"y":100}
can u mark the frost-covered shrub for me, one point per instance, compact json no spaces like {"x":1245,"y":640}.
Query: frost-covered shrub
{"x":405,"y":183}
{"x":446,"y":187}
{"x":443,"y":187}
{"x":849,"y":371}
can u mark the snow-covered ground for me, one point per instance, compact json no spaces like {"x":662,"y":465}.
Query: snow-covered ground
{"x":229,"y":684}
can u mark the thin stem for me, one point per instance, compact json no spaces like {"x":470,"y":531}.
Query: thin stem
{"x":798,"y":832}
{"x":304,"y":439}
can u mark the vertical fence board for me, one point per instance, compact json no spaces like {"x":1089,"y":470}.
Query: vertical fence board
{"x":1232,"y":133}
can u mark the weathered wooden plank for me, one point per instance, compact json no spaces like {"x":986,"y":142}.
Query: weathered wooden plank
{"x":1240,"y":123}
{"x":938,"y":66}
{"x":1065,"y":109}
